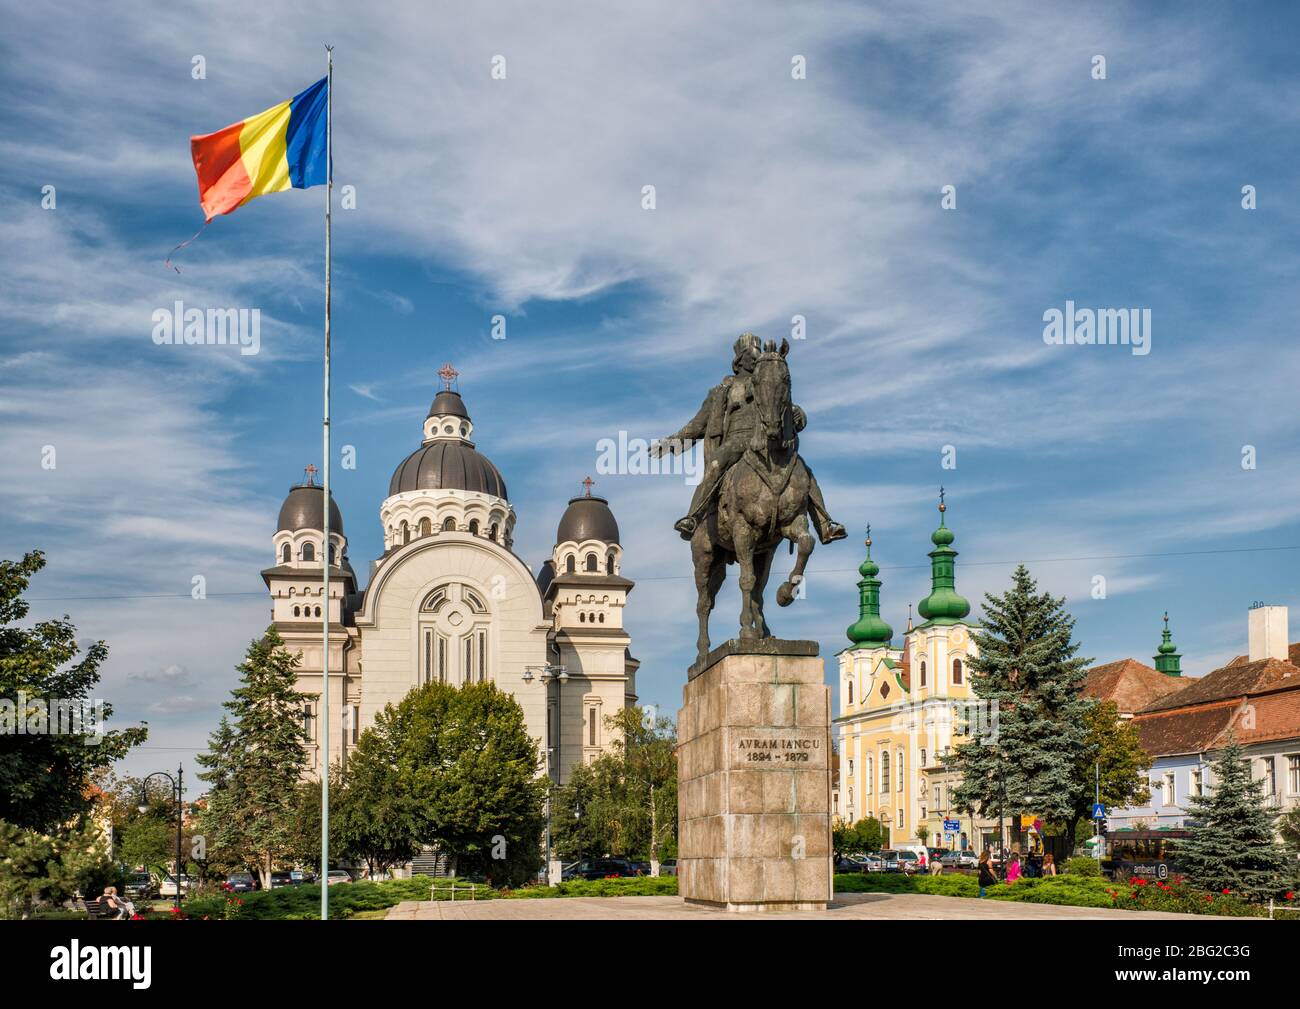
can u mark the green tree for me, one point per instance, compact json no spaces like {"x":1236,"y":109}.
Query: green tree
{"x":1029,"y":671}
{"x":923,"y":833}
{"x":255,"y":761}
{"x":50,"y":866}
{"x":1289,"y":828}
{"x":625,"y":801}
{"x":465,"y":761}
{"x":45,"y":776}
{"x":865,"y":835}
{"x":1232,"y":845}
{"x":1111,"y":745}
{"x":377,"y":821}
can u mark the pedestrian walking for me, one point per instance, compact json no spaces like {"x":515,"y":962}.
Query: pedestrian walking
{"x":987,"y":877}
{"x":1013,"y":870}
{"x":936,"y":866}
{"x":1049,"y":865}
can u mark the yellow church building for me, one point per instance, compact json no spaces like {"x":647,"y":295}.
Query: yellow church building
{"x":902,"y":709}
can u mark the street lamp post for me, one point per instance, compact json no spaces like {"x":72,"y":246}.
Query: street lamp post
{"x":559,"y":674}
{"x":177,"y":784}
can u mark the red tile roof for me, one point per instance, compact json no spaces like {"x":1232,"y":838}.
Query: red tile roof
{"x":1293,"y":655}
{"x":1229,"y":682}
{"x":1132,"y":685}
{"x":1192,"y":731}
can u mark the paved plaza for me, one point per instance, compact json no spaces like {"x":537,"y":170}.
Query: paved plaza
{"x":845,"y":907}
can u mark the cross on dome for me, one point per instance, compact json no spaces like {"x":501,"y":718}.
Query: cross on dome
{"x":448,"y":374}
{"x":311,"y":471}
{"x":587,"y":485}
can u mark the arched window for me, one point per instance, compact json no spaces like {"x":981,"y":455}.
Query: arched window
{"x":569,"y":566}
{"x":286,"y":554}
{"x":850,"y":691}
{"x":406,"y":533}
{"x":884,"y":770}
{"x":332,"y":554}
{"x":601,"y":618}
{"x":582,"y":618}
{"x":308,"y":552}
{"x":317,"y":611}
{"x":923,"y":672}
{"x":590,"y":564}
{"x":296,"y":611}
{"x":609,"y":564}
{"x":449,"y":524}
{"x":426,"y":527}
{"x":492,"y":532}
{"x":473,"y":527}
{"x":956,"y":671}
{"x":899,"y":769}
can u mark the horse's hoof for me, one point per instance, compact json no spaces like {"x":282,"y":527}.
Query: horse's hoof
{"x":748,"y":634}
{"x":784,"y":595}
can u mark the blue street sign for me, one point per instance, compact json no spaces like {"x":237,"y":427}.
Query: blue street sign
{"x":1098,"y":811}
{"x":952,"y":826}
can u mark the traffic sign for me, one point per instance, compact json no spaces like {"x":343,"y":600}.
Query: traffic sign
{"x":1098,"y":811}
{"x":952,"y":826}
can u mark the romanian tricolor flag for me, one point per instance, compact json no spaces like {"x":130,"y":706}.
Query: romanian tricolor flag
{"x":274,"y":150}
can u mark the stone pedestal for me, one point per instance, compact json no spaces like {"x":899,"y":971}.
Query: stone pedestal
{"x":754,"y":788}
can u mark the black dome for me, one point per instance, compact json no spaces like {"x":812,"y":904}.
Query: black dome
{"x":587,"y":518}
{"x":448,"y":402}
{"x":302,"y":509}
{"x":447,"y":465}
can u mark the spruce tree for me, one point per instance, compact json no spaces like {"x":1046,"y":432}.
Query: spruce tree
{"x":1023,"y":751}
{"x":1233,"y":845}
{"x":256,"y":759}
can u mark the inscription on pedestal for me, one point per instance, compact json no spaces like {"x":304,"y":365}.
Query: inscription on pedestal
{"x":779,"y":746}
{"x":754,"y":792}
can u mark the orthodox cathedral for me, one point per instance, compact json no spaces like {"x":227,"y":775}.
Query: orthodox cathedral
{"x":450,"y":601}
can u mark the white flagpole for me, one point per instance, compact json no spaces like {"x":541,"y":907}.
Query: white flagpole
{"x":325,"y":470}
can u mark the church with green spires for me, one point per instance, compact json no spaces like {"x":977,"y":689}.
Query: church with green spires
{"x":901,"y":708}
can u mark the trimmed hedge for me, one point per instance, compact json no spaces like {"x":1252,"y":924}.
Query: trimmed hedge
{"x":1069,"y":891}
{"x":302,"y":903}
{"x":633,"y":886}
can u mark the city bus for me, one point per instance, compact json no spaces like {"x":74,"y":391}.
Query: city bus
{"x":1147,"y":854}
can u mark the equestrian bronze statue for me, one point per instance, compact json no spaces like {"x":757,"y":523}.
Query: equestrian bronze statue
{"x":756,"y":490}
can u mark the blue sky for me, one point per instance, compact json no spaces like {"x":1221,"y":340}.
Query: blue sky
{"x":775,"y":197}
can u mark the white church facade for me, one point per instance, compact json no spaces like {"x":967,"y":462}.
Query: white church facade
{"x":450,"y":601}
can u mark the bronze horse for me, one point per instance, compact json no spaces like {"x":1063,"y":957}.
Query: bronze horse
{"x":762,"y":501}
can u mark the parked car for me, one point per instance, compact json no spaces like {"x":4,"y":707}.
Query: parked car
{"x":167,"y":888}
{"x":851,"y":863}
{"x":240,"y":882}
{"x":966,"y":859}
{"x":298,"y":877}
{"x":909,"y":862}
{"x":338,"y":876}
{"x":889,"y":861}
{"x":279,"y":879}
{"x":873,"y":862}
{"x":140,"y":886}
{"x":570,"y":870}
{"x":668,"y":867}
{"x":604,"y":868}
